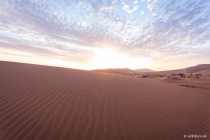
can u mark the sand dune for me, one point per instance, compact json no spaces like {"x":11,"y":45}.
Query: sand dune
{"x":137,"y":71}
{"x":117,"y":71}
{"x":144,"y":70}
{"x":197,"y":68}
{"x":203,"y":72}
{"x":49,"y":103}
{"x":127,"y":71}
{"x":187,"y":70}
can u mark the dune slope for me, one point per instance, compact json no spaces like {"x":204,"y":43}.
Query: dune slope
{"x":144,"y":70}
{"x":197,"y":68}
{"x":49,"y":103}
{"x":203,"y":72}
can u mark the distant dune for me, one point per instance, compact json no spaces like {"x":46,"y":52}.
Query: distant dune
{"x":197,"y":68}
{"x":144,"y":70}
{"x":187,"y":70}
{"x":129,"y":71}
{"x":51,"y":103}
{"x":117,"y":71}
{"x":123,"y":71}
{"x":192,"y":69}
{"x":203,"y":72}
{"x":166,"y":72}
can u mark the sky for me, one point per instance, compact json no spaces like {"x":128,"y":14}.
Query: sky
{"x":97,"y":34}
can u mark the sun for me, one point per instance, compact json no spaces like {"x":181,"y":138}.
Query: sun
{"x":111,"y":58}
{"x":107,"y":58}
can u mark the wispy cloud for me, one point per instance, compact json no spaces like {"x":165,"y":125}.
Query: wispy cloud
{"x":156,"y":29}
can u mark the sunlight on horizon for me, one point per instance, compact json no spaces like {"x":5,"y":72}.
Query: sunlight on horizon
{"x":103,"y":58}
{"x":85,"y":34}
{"x":110,"y":58}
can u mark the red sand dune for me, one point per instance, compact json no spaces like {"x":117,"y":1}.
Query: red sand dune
{"x":197,"y":68}
{"x":203,"y":72}
{"x":164,"y":72}
{"x":144,"y":70}
{"x":49,"y":103}
{"x":117,"y":71}
{"x":123,"y":71}
{"x":187,"y":70}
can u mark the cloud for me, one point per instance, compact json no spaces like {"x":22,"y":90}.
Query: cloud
{"x":73,"y":28}
{"x":127,"y":9}
{"x":135,"y":2}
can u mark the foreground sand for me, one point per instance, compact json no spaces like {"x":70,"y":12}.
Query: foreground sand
{"x":48,"y":103}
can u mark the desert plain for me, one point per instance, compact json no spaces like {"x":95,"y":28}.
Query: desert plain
{"x":51,"y":103}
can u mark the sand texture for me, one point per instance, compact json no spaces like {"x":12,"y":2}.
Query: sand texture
{"x":49,"y":103}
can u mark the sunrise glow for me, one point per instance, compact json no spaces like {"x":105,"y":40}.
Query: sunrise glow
{"x":106,"y":34}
